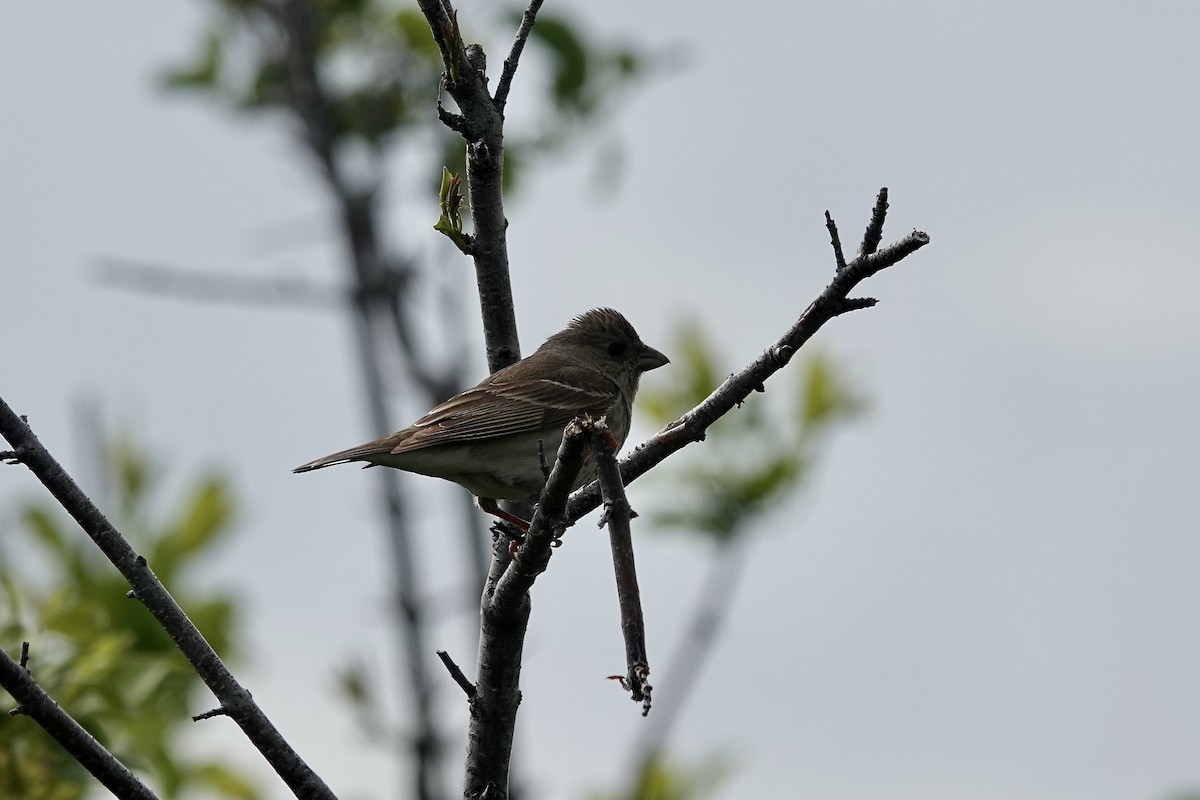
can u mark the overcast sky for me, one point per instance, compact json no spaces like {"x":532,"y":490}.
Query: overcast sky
{"x":990,"y":591}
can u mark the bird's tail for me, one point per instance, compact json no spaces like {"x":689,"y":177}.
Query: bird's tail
{"x":360,"y":453}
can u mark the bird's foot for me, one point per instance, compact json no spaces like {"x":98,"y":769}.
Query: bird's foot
{"x":489,"y":505}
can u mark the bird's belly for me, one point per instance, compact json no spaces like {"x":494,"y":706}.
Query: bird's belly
{"x":505,"y":468}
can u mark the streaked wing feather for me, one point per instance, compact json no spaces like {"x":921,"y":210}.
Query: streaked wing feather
{"x":510,"y":406}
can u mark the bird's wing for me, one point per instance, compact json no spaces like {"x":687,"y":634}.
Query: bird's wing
{"x":504,"y":406}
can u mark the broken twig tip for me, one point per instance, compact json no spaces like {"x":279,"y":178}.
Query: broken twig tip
{"x":457,"y":674}
{"x":220,"y":711}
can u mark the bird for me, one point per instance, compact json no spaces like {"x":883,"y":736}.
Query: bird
{"x":487,"y":438}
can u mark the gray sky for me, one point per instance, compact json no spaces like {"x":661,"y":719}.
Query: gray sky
{"x":990,"y":592}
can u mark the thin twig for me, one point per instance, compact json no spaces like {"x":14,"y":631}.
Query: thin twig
{"x":219,"y":711}
{"x":547,"y":524}
{"x":457,"y":674}
{"x":617,"y":514}
{"x":836,"y":241}
{"x":874,"y":233}
{"x":83,"y":747}
{"x":232,"y":695}
{"x":514,"y":55}
{"x":856,"y":304}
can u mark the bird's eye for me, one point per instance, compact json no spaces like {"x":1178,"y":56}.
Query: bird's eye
{"x":616,"y":348}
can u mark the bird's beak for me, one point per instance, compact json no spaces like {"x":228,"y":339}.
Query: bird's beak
{"x":651,"y":359}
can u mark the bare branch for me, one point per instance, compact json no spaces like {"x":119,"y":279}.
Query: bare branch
{"x":62,"y":727}
{"x":737,"y":387}
{"x":617,"y":514}
{"x":457,"y":674}
{"x":514,"y":55}
{"x":233,"y":697}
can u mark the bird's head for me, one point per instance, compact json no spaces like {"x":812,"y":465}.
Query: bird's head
{"x":610,"y":342}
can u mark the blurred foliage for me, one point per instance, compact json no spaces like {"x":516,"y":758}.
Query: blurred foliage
{"x":752,"y":460}
{"x":661,"y":781}
{"x":364,"y":698}
{"x":754,"y":457}
{"x":100,"y":654}
{"x":379,"y":70}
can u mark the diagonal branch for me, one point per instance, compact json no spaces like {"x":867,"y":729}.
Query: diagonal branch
{"x":548,"y":523}
{"x":691,"y":426}
{"x":62,"y":727}
{"x":234,"y":698}
{"x":456,"y":674}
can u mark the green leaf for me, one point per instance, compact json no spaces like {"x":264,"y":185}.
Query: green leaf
{"x":202,"y":73}
{"x":450,"y":200}
{"x":268,"y":88}
{"x":135,"y":474}
{"x":44,"y":525}
{"x":205,"y":515}
{"x":354,"y":685}
{"x":660,"y":780}
{"x":225,"y":781}
{"x":570,"y":58}
{"x":826,"y":396}
{"x":370,"y":113}
{"x":414,"y":30}
{"x":695,"y":376}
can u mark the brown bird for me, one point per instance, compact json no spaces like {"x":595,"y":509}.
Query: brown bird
{"x":486,"y":439}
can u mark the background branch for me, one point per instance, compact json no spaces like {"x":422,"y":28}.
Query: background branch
{"x":202,"y":286}
{"x":381,"y":291}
